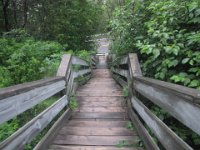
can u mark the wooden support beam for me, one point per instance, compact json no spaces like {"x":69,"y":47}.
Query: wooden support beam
{"x":25,"y":134}
{"x":78,"y":61}
{"x":121,"y":72}
{"x":15,"y":105}
{"x":175,"y":104}
{"x":159,"y":129}
{"x":64,"y":65}
{"x":142,"y":131}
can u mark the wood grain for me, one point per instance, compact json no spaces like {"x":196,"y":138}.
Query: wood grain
{"x":15,"y":105}
{"x":32,"y":128}
{"x":94,"y":140}
{"x":162,"y":132}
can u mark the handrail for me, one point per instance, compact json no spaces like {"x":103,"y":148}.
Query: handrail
{"x":173,"y":98}
{"x":15,"y":100}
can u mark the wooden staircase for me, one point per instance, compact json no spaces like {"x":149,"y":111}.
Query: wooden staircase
{"x":100,"y":122}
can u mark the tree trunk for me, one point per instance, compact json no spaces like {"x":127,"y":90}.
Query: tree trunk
{"x":14,"y":12}
{"x":25,"y":13}
{"x":5,"y":14}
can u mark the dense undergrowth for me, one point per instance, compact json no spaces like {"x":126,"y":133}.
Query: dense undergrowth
{"x":166,"y":36}
{"x":25,"y":59}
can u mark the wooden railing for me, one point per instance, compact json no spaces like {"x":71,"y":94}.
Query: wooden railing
{"x":17,"y":99}
{"x":180,"y":102}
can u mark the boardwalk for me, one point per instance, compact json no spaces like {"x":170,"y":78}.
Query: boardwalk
{"x":101,"y":120}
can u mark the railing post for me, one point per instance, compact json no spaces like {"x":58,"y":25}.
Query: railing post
{"x":64,"y":69}
{"x":135,"y":70}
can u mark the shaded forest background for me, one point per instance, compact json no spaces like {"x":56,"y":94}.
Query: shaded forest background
{"x":34,"y":34}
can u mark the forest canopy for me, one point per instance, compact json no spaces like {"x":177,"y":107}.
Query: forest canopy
{"x":35,"y":33}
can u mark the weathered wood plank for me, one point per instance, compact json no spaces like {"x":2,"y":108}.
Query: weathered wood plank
{"x":121,"y":72}
{"x":107,"y":115}
{"x":124,"y":60}
{"x":120,"y":81}
{"x":100,"y":104}
{"x":88,"y":131}
{"x":32,"y":128}
{"x":53,"y":131}
{"x":15,"y":105}
{"x":72,"y":147}
{"x":186,"y":93}
{"x":96,"y":123}
{"x":94,"y":140}
{"x":134,"y":65}
{"x":78,"y":61}
{"x":100,"y":93}
{"x":101,"y":109}
{"x":161,"y":131}
{"x":64,"y":65}
{"x":172,"y":103}
{"x":143,"y":133}
{"x":22,"y":88}
{"x":81,"y":72}
{"x":101,"y":99}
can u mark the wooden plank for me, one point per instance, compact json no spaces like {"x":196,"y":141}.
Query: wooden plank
{"x":99,"y":90}
{"x":172,"y":103}
{"x":101,"y":109}
{"x":95,"y":123}
{"x":121,"y":72}
{"x":124,"y":60}
{"x":186,"y":93}
{"x":120,"y":81}
{"x":101,"y":99}
{"x":100,"y":93}
{"x":101,"y":104}
{"x":107,"y":115}
{"x":94,"y":140}
{"x":64,"y":65}
{"x":15,"y":105}
{"x":22,"y":88}
{"x":134,"y":65}
{"x":143,"y":133}
{"x":81,"y":73}
{"x":53,"y":131}
{"x":72,"y":147}
{"x":31,"y":129}
{"x":88,"y":131}
{"x":78,"y":61}
{"x":159,"y":129}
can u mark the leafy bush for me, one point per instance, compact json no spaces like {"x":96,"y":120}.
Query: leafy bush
{"x":24,"y":59}
{"x":166,"y":36}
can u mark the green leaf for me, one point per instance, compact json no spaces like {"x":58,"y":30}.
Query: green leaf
{"x":194,"y":83}
{"x":185,"y":60}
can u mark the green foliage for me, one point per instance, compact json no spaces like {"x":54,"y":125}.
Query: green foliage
{"x":9,"y":127}
{"x":73,"y":104}
{"x":130,"y":126}
{"x":165,"y":34}
{"x":125,"y":91}
{"x":123,"y":143}
{"x":24,"y":59}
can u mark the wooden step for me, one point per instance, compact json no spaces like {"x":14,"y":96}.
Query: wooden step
{"x":100,"y":109}
{"x":102,"y":104}
{"x":100,"y":123}
{"x":68,"y":130}
{"x":100,"y":93}
{"x":102,"y":115}
{"x":94,"y":140}
{"x":101,"y":99}
{"x":72,"y":147}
